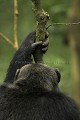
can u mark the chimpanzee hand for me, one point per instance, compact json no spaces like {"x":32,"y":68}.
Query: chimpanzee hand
{"x":40,"y":49}
{"x":45,"y":44}
{"x":41,"y":45}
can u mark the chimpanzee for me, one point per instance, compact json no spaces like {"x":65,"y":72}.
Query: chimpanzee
{"x":34,"y":93}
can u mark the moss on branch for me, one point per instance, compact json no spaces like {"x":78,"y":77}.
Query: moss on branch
{"x":42,"y":18}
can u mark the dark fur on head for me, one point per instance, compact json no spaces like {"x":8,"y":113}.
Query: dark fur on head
{"x":37,"y":78}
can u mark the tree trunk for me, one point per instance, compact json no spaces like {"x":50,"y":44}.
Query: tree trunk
{"x":74,"y":42}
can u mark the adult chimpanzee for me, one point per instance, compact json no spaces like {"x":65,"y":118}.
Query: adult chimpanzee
{"x":34,"y":94}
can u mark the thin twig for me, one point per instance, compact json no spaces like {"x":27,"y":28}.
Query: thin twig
{"x":6,"y":39}
{"x":75,"y":23}
{"x":15,"y":24}
{"x":15,"y":44}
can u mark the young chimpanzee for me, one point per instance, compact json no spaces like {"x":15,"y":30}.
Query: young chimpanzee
{"x":34,"y":93}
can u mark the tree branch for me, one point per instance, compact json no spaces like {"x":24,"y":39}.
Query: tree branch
{"x":15,"y":24}
{"x":6,"y":39}
{"x":42,"y":18}
{"x":15,"y":43}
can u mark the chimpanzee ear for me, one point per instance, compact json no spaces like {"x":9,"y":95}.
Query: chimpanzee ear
{"x":58,"y":74}
{"x":17,"y":73}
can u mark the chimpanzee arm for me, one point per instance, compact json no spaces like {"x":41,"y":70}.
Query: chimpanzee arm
{"x":21,"y":57}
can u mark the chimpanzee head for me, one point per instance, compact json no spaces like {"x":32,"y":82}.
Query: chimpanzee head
{"x":37,"y":78}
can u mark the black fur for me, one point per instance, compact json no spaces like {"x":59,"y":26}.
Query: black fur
{"x":32,"y":92}
{"x":24,"y":55}
{"x":21,"y":57}
{"x":35,"y":95}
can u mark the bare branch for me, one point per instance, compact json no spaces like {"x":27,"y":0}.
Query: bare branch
{"x":74,"y":23}
{"x":15,"y":44}
{"x":6,"y":39}
{"x":15,"y":24}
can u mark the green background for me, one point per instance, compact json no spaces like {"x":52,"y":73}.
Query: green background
{"x":58,"y":54}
